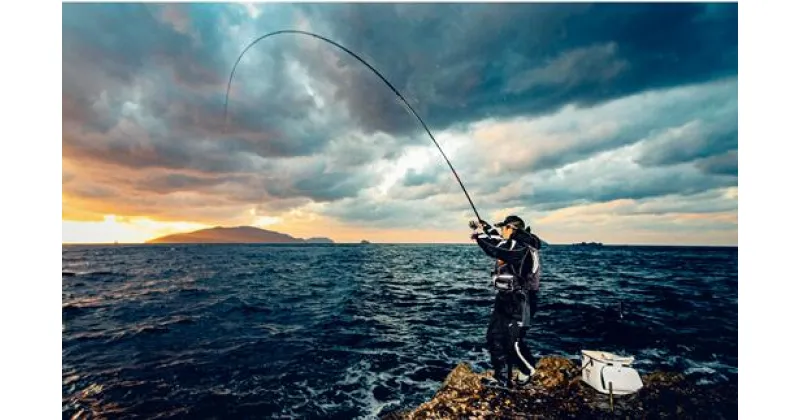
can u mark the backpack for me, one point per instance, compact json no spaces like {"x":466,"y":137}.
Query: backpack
{"x":531,"y":280}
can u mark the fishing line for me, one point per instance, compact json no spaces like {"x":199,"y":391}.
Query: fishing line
{"x":354,"y":55}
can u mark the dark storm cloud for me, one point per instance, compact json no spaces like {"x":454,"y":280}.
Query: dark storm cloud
{"x":387,"y":214}
{"x":320,"y":185}
{"x":165,"y":69}
{"x":466,"y":62}
{"x":126,"y":40}
{"x":171,"y":182}
{"x":144,"y":85}
{"x":724,"y":164}
{"x":156,"y":151}
{"x":635,"y":189}
{"x":692,"y":141}
{"x":93,"y":191}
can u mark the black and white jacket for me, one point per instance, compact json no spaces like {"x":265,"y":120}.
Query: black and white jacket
{"x":519,"y":255}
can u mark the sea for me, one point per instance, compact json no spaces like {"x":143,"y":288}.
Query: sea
{"x":358,"y":331}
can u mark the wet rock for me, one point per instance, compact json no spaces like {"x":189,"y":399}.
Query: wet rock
{"x":557,"y":392}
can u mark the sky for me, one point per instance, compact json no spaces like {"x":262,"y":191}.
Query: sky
{"x":615,"y":123}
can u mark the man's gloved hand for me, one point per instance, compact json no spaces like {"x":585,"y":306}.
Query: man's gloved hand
{"x":480,"y":224}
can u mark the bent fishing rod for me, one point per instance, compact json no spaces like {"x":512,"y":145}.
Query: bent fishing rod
{"x":377,"y":73}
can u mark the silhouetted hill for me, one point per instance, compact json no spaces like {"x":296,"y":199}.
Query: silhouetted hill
{"x":234,"y":235}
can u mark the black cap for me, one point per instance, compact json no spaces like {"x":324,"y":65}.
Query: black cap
{"x":511,"y":220}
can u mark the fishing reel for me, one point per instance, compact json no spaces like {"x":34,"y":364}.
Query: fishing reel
{"x":505,"y":282}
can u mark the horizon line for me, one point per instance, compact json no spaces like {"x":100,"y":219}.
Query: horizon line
{"x":588,"y":244}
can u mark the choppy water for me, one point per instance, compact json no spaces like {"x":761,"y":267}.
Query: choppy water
{"x":240,"y":331}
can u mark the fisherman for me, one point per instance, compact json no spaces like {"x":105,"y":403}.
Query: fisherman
{"x":516,"y":277}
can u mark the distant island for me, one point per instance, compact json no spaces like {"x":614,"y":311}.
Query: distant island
{"x":319,"y":240}
{"x":589,"y":244}
{"x":364,"y":242}
{"x":235,"y":235}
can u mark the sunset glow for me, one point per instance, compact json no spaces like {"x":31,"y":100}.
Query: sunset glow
{"x":123,"y":230}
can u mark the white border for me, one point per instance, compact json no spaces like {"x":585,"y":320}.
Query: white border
{"x":768,"y":289}
{"x":31,"y":166}
{"x":768,"y":106}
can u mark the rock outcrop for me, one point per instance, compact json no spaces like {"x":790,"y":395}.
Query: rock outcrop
{"x":557,"y":392}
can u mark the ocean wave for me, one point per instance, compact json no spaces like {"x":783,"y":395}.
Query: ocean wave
{"x":355,"y":332}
